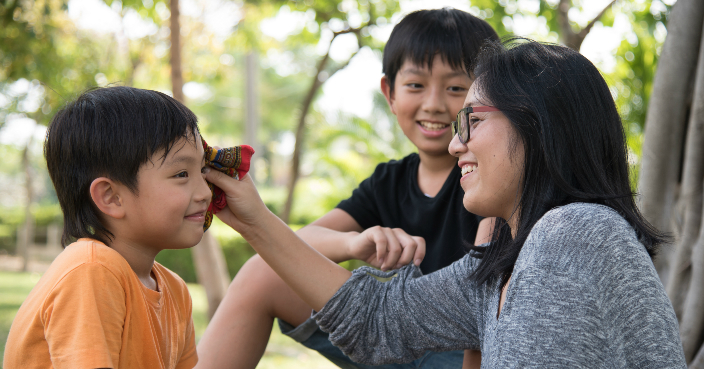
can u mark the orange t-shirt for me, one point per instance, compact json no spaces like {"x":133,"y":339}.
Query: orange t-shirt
{"x":89,"y":310}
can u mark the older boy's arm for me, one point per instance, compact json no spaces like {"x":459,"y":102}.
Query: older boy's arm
{"x":338,"y":236}
{"x":311,"y":275}
{"x":331,"y":234}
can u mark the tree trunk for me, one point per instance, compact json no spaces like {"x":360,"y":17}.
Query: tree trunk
{"x":667,"y":115}
{"x":698,"y":362}
{"x":300,"y":131}
{"x":211,"y":270}
{"x":251,"y":111}
{"x":692,"y":322}
{"x":208,"y":258}
{"x":690,"y":195}
{"x":25,"y":237}
{"x":176,"y":75}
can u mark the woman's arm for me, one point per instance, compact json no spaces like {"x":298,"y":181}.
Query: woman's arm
{"x":473,"y":358}
{"x":311,"y":275}
{"x":374,"y":322}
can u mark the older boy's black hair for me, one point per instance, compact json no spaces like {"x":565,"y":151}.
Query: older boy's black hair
{"x":455,"y":35}
{"x":108,"y":132}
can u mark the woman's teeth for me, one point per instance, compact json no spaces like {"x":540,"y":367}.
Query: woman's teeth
{"x":432,"y":126}
{"x":468,"y":169}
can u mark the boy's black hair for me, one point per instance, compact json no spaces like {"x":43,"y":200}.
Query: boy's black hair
{"x":455,"y":35}
{"x":563,"y":113}
{"x":108,"y":132}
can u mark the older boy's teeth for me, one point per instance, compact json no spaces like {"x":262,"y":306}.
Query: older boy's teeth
{"x":432,"y":126}
{"x":468,"y":169}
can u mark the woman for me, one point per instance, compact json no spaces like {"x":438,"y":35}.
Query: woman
{"x":567,"y":279}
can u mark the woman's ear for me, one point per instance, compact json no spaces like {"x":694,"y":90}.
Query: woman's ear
{"x":106,"y":196}
{"x":388,"y":94}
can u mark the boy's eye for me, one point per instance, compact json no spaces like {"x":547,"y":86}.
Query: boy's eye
{"x":457,"y":89}
{"x":414,"y":85}
{"x":473,"y":121}
{"x":183,"y":174}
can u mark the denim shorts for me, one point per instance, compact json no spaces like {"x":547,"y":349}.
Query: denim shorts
{"x":310,"y":335}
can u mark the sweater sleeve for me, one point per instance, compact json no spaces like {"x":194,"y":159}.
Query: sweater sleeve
{"x":378,"y":318}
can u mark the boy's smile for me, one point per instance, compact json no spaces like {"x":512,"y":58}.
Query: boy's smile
{"x":426,"y":101}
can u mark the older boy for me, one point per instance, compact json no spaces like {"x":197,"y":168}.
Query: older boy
{"x":127,"y":165}
{"x":403,"y":207}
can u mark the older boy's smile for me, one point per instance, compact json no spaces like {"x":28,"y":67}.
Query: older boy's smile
{"x":425,"y":101}
{"x":433,"y":129}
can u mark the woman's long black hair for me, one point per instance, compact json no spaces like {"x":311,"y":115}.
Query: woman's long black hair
{"x":564,"y":115}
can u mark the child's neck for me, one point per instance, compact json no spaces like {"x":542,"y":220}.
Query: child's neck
{"x":140,"y":259}
{"x":433,"y":171}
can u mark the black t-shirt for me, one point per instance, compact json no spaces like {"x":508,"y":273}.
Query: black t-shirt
{"x":391,"y":198}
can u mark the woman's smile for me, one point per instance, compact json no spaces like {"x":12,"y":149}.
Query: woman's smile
{"x":467,"y":168}
{"x":490,"y":141}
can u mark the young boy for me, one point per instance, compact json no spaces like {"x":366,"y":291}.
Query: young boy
{"x":404,"y":207}
{"x":127,"y":165}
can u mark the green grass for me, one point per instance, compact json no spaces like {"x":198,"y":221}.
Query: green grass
{"x":282,"y":352}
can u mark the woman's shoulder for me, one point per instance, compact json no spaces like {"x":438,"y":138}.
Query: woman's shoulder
{"x":576,"y":220}
{"x":579,"y":236}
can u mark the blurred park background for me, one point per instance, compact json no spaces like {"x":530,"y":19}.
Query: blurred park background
{"x":297,"y":80}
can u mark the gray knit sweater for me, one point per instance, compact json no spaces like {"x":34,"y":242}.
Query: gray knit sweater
{"x":583,"y":294}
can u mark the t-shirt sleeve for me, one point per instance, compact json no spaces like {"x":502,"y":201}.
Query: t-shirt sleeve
{"x":189,"y":357}
{"x":83,"y":318}
{"x":362,"y":205}
{"x":394,"y":317}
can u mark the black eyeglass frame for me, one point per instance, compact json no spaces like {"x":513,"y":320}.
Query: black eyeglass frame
{"x":460,"y":123}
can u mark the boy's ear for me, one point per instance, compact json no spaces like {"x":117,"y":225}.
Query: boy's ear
{"x":388,"y":94}
{"x":106,"y":196}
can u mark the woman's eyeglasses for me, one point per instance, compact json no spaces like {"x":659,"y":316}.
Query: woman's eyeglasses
{"x":461,"y":126}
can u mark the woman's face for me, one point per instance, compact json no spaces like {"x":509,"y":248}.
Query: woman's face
{"x":491,"y":167}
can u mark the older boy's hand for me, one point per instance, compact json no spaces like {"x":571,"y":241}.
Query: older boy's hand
{"x":387,"y":248}
{"x":244,"y":206}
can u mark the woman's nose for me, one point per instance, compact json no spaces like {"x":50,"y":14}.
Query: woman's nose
{"x":456,"y":148}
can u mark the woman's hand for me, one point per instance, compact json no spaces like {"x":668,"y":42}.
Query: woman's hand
{"x":245,"y":207}
{"x":310,"y":274}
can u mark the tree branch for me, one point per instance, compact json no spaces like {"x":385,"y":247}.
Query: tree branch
{"x":570,"y":38}
{"x":305,"y":108}
{"x":583,"y":33}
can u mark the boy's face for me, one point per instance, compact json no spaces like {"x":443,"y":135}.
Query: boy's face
{"x":169,"y":208}
{"x":426,"y":101}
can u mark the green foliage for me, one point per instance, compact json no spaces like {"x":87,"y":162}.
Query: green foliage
{"x":42,"y":45}
{"x":179,"y":262}
{"x":237,"y":251}
{"x":14,"y":288}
